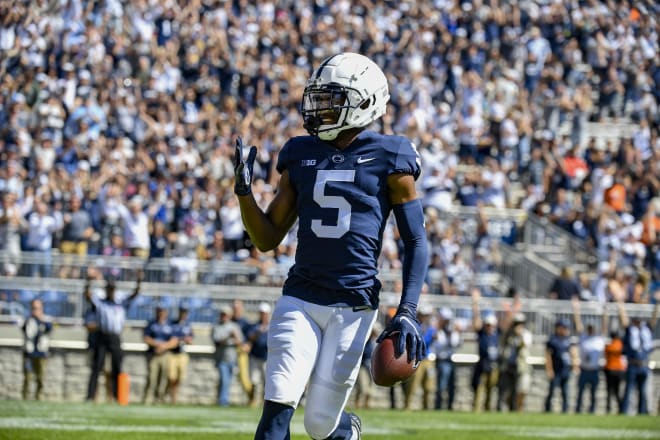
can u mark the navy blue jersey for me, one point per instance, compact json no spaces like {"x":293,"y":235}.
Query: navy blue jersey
{"x":181,"y":329}
{"x":161,"y":332}
{"x":489,"y":349}
{"x":259,"y":338}
{"x":560,"y":353}
{"x":343,"y":206}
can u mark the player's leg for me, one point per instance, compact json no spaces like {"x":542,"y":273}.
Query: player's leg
{"x":582,"y":383}
{"x":564,"y":392}
{"x":551,"y":391}
{"x":345,"y":333}
{"x":39,"y":370}
{"x":451,"y":390}
{"x":27,"y":375}
{"x":97,"y":367}
{"x":593,"y":387}
{"x":428,"y":384}
{"x":172,"y":374}
{"x":617,"y":389}
{"x":293,"y":342}
{"x":151,"y":367}
{"x":627,"y":392}
{"x":117,"y":356}
{"x":244,"y":372}
{"x":164,"y":370}
{"x":641,"y":379}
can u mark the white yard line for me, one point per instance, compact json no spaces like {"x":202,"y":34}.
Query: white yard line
{"x":229,"y":424}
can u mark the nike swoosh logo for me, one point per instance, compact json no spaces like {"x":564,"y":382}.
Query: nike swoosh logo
{"x":361,"y":160}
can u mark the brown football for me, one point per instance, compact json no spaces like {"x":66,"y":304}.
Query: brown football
{"x":388,"y":370}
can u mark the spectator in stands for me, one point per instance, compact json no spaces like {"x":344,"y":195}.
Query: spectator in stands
{"x":510,"y":86}
{"x":486,"y":371}
{"x":226,"y":336}
{"x":115,"y":248}
{"x":11,"y":224}
{"x":112,"y":315}
{"x":160,"y":339}
{"x":565,"y":287}
{"x":188,"y":243}
{"x":243,"y":355}
{"x":41,"y":226}
{"x":36,"y":332}
{"x":76,"y":232}
{"x":591,"y":347}
{"x":425,"y":374}
{"x":447,"y":341}
{"x":159,"y":244}
{"x":637,"y":347}
{"x":560,"y":359}
{"x":183,"y":332}
{"x":135,"y":224}
{"x":232,"y":225}
{"x":258,"y":337}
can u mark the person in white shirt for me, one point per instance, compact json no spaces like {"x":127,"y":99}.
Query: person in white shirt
{"x":445,"y":344}
{"x":136,"y":228}
{"x":41,"y":225}
{"x":11,"y":224}
{"x":592,"y":348}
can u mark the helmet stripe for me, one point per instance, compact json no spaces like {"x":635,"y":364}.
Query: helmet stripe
{"x":325,"y":63}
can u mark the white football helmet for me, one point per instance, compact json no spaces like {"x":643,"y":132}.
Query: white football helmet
{"x":347,"y":90}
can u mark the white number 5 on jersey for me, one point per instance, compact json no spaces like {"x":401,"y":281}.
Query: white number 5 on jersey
{"x":337,"y":202}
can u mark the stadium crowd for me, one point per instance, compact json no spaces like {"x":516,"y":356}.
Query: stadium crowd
{"x":117,"y":122}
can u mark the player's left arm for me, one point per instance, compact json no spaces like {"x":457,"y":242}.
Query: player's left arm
{"x":409,"y":216}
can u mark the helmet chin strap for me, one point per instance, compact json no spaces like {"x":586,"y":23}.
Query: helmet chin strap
{"x":312,"y":124}
{"x":329,"y":135}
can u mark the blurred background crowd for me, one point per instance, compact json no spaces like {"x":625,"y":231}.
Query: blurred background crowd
{"x":118,"y":120}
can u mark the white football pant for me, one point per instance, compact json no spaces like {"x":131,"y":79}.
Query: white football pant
{"x":319,"y":344}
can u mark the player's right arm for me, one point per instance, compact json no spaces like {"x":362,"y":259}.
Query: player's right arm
{"x":549,"y":370}
{"x":266,"y":229}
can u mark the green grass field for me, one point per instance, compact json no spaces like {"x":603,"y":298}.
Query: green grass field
{"x":77,"y":421}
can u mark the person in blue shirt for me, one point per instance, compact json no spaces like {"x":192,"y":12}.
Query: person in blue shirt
{"x":160,"y":340}
{"x":486,"y":370}
{"x":560,"y":359}
{"x":592,"y":349}
{"x":183,"y":332}
{"x":257,"y":337}
{"x":637,"y":347}
{"x":36,"y":331}
{"x":243,"y":349}
{"x":447,"y":340}
{"x":340,"y":184}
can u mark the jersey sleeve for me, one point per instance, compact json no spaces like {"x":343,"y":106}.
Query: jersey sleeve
{"x":406,"y":159}
{"x":284,"y":158}
{"x":148,"y":331}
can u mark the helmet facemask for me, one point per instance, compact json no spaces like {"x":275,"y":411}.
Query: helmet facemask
{"x":325,"y":109}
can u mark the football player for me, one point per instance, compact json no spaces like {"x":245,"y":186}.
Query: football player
{"x":341,"y":183}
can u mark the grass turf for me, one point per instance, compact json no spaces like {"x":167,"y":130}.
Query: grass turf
{"x":77,"y":421}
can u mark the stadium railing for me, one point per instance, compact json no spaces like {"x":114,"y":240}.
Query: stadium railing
{"x":63,"y":300}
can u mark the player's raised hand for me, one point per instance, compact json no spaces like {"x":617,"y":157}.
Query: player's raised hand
{"x":410,"y":338}
{"x":243,"y":169}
